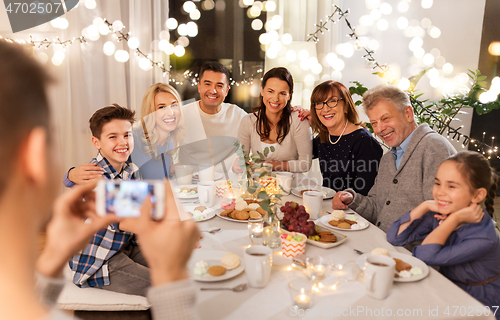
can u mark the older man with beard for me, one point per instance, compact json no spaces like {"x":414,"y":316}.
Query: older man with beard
{"x":406,"y":174}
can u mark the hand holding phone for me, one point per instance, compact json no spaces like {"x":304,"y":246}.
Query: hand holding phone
{"x":125,"y":198}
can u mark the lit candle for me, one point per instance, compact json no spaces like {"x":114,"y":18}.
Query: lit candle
{"x":257,"y":231}
{"x":302,"y":301}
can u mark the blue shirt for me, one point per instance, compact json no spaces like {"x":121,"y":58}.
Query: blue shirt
{"x":399,"y":151}
{"x":471,"y":253}
{"x":90,"y":266}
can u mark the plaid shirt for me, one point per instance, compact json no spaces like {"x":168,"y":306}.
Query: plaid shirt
{"x":90,"y":266}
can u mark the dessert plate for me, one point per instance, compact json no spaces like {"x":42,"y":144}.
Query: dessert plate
{"x":217,"y":176}
{"x":340,"y":239}
{"x":414,"y":262}
{"x":234,"y":220}
{"x":181,"y":195}
{"x":327,"y":192}
{"x":212,"y":257}
{"x":325,"y":219}
{"x":208,"y":213}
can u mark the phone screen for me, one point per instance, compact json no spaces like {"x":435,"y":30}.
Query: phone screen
{"x":125,"y":198}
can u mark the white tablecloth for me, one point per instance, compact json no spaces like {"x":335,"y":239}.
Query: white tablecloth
{"x":434,"y":297}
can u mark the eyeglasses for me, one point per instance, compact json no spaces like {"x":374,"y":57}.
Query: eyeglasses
{"x":332,"y":103}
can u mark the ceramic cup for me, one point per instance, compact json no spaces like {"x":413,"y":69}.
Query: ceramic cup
{"x":258,"y":263}
{"x":313,"y":201}
{"x":379,"y":276}
{"x":284,"y":180}
{"x":183,"y":174}
{"x":206,"y":193}
{"x":206,"y":172}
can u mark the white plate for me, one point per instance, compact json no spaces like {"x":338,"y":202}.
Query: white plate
{"x":209,"y":212}
{"x":414,"y":262}
{"x":217,"y":176}
{"x":181,"y":196}
{"x":327,"y":192}
{"x":325,"y":219}
{"x":234,"y":220}
{"x":340,"y":239}
{"x":212,"y":257}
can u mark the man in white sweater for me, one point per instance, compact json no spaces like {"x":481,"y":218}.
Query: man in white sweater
{"x":219,"y":120}
{"x":29,"y":182}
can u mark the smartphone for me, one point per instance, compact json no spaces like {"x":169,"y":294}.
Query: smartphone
{"x":124,"y":198}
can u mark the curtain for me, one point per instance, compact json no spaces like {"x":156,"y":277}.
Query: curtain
{"x":89,"y":80}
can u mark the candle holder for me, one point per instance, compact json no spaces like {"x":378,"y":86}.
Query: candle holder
{"x":318,"y":268}
{"x":255,"y":229}
{"x":301,"y":293}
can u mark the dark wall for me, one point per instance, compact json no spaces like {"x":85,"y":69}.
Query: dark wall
{"x":490,"y":122}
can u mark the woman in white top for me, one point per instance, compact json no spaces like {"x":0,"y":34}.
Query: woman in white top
{"x":273,"y":123}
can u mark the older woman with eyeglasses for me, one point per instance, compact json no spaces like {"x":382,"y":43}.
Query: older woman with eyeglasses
{"x":348,"y":154}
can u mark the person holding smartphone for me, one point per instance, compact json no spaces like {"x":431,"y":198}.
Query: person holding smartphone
{"x":28,"y":205}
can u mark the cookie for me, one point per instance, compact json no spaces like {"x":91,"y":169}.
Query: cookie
{"x":230,"y":261}
{"x":216,"y":271}
{"x":344,"y":225}
{"x":261,"y":211}
{"x":401,"y":265}
{"x":254,"y":215}
{"x":226,"y":212}
{"x":241,"y":215}
{"x":200,"y":208}
{"x":333,"y":222}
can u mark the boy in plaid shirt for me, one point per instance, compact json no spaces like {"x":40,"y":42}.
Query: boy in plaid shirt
{"x":112,"y":260}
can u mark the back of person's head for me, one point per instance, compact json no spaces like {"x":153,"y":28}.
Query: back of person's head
{"x":108,"y":114}
{"x":477,"y":171}
{"x":321,"y":93}
{"x":388,"y":93}
{"x":23,"y":102}
{"x":215,"y":67}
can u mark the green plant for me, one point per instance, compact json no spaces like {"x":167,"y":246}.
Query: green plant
{"x":440,"y":114}
{"x":251,"y":182}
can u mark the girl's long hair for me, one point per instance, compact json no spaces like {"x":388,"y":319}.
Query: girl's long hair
{"x":478,"y":173}
{"x":263,"y":125}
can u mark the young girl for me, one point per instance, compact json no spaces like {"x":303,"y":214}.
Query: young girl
{"x":457,"y":235}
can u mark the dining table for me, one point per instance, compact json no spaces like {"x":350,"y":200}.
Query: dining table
{"x":342,"y":296}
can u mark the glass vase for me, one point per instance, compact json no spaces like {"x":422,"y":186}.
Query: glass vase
{"x":271,"y":235}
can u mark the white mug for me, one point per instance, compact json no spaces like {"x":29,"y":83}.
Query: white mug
{"x":313,"y":201}
{"x":379,"y":276}
{"x":206,"y":172}
{"x":183,"y":174}
{"x":285,"y":179}
{"x":258,"y":263}
{"x":206,"y":193}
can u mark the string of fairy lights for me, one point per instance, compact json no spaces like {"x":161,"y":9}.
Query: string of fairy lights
{"x":454,"y":133}
{"x":146,"y":62}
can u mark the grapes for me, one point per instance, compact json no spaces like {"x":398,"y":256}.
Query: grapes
{"x":295,"y":219}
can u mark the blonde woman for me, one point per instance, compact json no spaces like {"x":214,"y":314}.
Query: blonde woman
{"x":348,"y":154}
{"x":159,"y":132}
{"x":157,"y":136}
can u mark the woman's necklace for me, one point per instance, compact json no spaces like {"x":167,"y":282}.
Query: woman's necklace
{"x":329,"y":138}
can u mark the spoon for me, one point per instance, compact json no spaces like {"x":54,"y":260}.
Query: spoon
{"x":211,"y":231}
{"x":238,"y":288}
